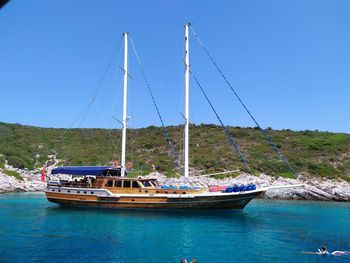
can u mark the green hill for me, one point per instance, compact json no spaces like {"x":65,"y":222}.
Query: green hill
{"x":310,"y":152}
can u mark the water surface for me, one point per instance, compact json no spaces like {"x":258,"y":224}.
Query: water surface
{"x":34,"y":230}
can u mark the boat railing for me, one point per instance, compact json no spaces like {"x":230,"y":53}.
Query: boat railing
{"x":74,"y":184}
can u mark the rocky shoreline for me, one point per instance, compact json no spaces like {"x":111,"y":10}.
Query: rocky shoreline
{"x":314,"y":189}
{"x":31,"y":181}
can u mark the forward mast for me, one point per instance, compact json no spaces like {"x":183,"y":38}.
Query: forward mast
{"x":187,"y":97}
{"x":125,"y":119}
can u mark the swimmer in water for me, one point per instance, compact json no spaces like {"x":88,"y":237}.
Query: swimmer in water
{"x":324,"y":251}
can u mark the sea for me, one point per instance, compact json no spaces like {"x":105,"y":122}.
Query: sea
{"x":35,"y":230}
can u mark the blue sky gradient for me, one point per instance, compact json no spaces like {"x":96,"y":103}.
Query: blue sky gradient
{"x":289,"y":61}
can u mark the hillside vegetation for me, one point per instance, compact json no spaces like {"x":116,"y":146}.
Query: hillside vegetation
{"x":309,"y":152}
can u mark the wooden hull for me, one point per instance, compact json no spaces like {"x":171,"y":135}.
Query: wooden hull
{"x":206,"y":201}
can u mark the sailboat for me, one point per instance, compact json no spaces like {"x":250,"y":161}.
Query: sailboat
{"x":110,"y":187}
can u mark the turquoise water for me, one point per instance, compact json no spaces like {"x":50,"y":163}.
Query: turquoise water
{"x":34,"y":230}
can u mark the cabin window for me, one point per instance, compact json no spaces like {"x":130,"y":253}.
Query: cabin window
{"x":109,"y":183}
{"x":154,"y":183}
{"x":135,"y":184}
{"x":126,"y":184}
{"x":146,"y":183}
{"x":118,"y":183}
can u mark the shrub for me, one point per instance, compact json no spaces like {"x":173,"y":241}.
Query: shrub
{"x":346,"y":178}
{"x":287,"y":175}
{"x":14,"y":174}
{"x":2,"y":162}
{"x":18,"y":162}
{"x":171,"y":173}
{"x":323,"y":170}
{"x":145,"y":172}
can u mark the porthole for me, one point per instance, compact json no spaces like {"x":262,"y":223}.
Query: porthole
{"x":174,"y":192}
{"x":78,"y":192}
{"x":133,"y":200}
{"x":157,"y":192}
{"x":183,"y":193}
{"x":92,"y":192}
{"x":59,"y":190}
{"x":166,"y":192}
{"x":84,"y":192}
{"x":53,"y":190}
{"x":146,"y":191}
{"x":68,"y":191}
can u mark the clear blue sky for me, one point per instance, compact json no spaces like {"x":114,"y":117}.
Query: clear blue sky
{"x":289,"y":61}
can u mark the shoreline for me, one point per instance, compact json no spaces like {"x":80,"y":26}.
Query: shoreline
{"x":315,"y":189}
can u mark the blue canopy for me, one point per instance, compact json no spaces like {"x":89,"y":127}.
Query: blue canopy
{"x":84,"y":170}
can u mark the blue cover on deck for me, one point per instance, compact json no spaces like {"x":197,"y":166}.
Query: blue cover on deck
{"x":82,"y":170}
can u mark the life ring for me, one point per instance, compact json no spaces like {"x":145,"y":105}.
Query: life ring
{"x":115,"y":163}
{"x":129,"y":165}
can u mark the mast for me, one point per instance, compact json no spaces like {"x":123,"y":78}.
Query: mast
{"x":187,"y":93}
{"x":124,"y":103}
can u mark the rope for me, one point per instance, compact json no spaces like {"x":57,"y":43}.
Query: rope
{"x":155,"y":105}
{"x":244,"y":106}
{"x":99,"y":85}
{"x":222,"y":124}
{"x":83,"y":114}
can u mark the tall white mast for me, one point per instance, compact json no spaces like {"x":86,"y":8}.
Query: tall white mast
{"x":124,"y":102}
{"x":187,"y":93}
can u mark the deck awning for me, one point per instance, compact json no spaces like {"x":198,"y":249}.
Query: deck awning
{"x":87,"y":170}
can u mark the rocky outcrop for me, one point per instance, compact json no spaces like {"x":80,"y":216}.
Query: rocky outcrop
{"x":31,"y":181}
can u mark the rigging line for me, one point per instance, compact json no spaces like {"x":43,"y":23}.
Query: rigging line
{"x":112,"y":138}
{"x":83,"y":114}
{"x":130,"y":123}
{"x":154,"y":29}
{"x":100,"y":83}
{"x":222,"y":124}
{"x":155,"y":105}
{"x":244,"y":106}
{"x":268,"y":201}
